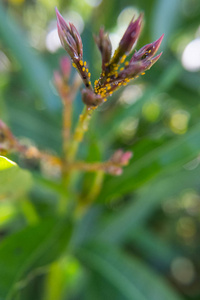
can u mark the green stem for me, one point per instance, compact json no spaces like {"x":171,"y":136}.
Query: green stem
{"x":67,"y":99}
{"x":67,"y":111}
{"x":94,"y":166}
{"x":80,"y":130}
{"x":96,"y":187}
{"x":54,"y":286}
{"x":93,"y":193}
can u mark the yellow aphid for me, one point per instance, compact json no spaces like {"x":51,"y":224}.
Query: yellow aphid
{"x":81,"y":62}
{"x":126,"y":63}
{"x":121,"y":69}
{"x":85,"y":63}
{"x":143,"y":73}
{"x":89,"y":74}
{"x":83,"y":69}
{"x":123,"y":59}
{"x":108,"y":79}
{"x":87,"y":70}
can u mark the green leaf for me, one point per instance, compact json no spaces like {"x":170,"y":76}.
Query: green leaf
{"x":6,"y":163}
{"x":32,"y":247}
{"x":117,"y":228}
{"x":35,"y":72}
{"x":99,"y":289}
{"x":160,"y":251}
{"x":132,"y":279}
{"x":164,"y":11}
{"x":13,"y":181}
{"x":172,"y":155}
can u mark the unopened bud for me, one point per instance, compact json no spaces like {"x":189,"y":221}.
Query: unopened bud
{"x":125,"y":158}
{"x":130,"y":36}
{"x":120,"y":157}
{"x":147,"y":51}
{"x":90,"y":98}
{"x":104,"y":44}
{"x":114,"y":170}
{"x":69,"y":37}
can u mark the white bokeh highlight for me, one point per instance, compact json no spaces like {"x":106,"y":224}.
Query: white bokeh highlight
{"x":191,"y":56}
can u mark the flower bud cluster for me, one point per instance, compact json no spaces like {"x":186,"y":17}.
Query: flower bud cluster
{"x":116,"y":72}
{"x":118,"y":160}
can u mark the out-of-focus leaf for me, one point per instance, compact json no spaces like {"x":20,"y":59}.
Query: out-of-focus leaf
{"x":98,"y":288}
{"x":86,"y":228}
{"x":34,"y":69}
{"x":13,"y":180}
{"x":165,"y":19}
{"x":171,"y":155}
{"x":35,"y":125}
{"x":117,"y":228}
{"x":32,"y":247}
{"x":160,"y":252}
{"x":6,"y":163}
{"x":7,"y":212}
{"x":132,"y":279}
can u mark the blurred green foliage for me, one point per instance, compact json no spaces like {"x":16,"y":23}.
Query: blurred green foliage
{"x":139,"y":240}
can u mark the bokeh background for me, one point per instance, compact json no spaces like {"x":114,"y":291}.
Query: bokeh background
{"x":152,"y":211}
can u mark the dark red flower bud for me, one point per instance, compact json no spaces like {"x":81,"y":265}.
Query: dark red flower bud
{"x":104,"y":44}
{"x":69,"y":37}
{"x":148,"y":51}
{"x":130,"y":36}
{"x":128,"y":40}
{"x":121,"y":158}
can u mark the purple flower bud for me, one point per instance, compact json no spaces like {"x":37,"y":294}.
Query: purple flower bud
{"x":69,"y":37}
{"x":130,"y":36}
{"x":142,"y":60}
{"x":148,"y":51}
{"x":128,"y":40}
{"x":71,"y":41}
{"x":104,"y":44}
{"x":114,"y":170}
{"x":136,"y":68}
{"x":117,"y":161}
{"x":125,"y":158}
{"x":121,"y":158}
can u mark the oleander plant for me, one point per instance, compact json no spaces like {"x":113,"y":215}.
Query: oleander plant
{"x":99,"y":150}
